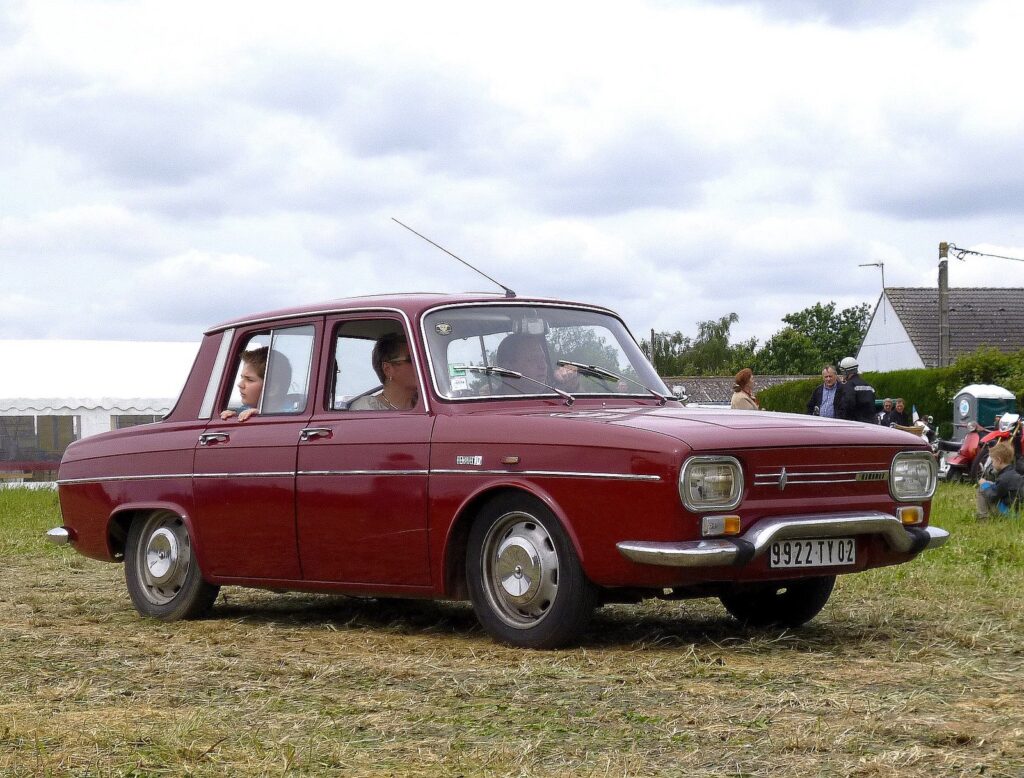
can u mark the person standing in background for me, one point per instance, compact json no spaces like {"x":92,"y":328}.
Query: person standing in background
{"x":823,"y":398}
{"x":743,"y":398}
{"x":857,"y":401}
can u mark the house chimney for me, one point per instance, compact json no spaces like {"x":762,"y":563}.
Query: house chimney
{"x":943,"y":304}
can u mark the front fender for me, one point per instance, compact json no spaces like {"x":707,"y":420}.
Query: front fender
{"x":451,"y":554}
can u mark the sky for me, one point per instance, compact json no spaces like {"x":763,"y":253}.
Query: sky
{"x":167,"y":166}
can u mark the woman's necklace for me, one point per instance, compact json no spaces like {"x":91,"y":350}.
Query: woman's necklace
{"x":391,"y":406}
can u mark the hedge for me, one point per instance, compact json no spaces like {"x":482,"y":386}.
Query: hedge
{"x":930,"y":390}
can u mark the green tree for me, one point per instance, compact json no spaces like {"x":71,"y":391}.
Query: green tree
{"x":788,"y":352}
{"x":834,"y":334}
{"x":669,"y":352}
{"x":710,"y":353}
{"x":583,"y":344}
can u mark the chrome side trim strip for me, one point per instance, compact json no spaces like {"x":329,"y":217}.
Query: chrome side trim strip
{"x":290,"y":474}
{"x":110,"y":478}
{"x":364,"y":472}
{"x":758,"y":539}
{"x":552,"y":474}
{"x":282,"y":474}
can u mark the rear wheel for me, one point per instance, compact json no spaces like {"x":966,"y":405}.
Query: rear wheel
{"x":162,"y":574}
{"x":525,"y":580}
{"x":779,"y":603}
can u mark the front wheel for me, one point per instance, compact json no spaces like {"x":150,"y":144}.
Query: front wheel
{"x":981,"y":467}
{"x":525,"y":580}
{"x":779,"y":603}
{"x":161,"y":571}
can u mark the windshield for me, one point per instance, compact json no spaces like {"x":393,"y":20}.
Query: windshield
{"x":531,"y":340}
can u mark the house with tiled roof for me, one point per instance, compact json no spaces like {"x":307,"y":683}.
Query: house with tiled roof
{"x":904,"y":330}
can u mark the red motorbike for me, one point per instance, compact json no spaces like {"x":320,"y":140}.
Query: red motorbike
{"x":961,"y":462}
{"x":1008,"y":427}
{"x":966,"y":460}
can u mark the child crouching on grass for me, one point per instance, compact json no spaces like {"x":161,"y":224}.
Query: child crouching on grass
{"x":1000,"y":496}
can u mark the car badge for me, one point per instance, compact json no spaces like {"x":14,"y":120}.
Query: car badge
{"x":469,"y":460}
{"x":443,"y":328}
{"x":782,"y":480}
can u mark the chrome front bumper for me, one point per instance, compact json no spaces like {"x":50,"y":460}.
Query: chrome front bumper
{"x":715,"y":552}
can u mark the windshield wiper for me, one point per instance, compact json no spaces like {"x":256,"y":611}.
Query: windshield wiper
{"x":600,"y":371}
{"x":504,"y":372}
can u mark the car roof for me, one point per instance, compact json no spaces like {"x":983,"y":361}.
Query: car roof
{"x":412,"y":304}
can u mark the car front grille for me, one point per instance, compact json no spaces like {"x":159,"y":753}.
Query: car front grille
{"x":810,"y":476}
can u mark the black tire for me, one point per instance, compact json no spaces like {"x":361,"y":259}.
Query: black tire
{"x":525,"y":580}
{"x":979,"y":464}
{"x":779,"y":603}
{"x":162,"y":574}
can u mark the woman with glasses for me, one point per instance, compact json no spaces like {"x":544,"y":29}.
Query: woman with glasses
{"x":394,"y":368}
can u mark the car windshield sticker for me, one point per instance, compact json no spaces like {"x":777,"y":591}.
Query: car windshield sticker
{"x":457,"y":379}
{"x":443,"y":328}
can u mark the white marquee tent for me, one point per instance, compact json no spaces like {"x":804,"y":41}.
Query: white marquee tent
{"x":71,"y":389}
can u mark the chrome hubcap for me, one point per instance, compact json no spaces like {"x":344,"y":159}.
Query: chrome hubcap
{"x":164,"y":557}
{"x":520,"y":570}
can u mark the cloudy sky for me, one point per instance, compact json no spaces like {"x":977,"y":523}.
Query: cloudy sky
{"x":165,"y":166}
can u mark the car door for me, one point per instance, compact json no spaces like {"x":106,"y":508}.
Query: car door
{"x":244,"y":471}
{"x":362,"y":474}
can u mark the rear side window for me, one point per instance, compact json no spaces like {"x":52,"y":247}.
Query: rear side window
{"x":281,"y":359}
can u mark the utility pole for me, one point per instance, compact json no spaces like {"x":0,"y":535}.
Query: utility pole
{"x":943,"y":304}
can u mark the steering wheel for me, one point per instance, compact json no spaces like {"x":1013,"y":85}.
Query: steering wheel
{"x":346,"y":405}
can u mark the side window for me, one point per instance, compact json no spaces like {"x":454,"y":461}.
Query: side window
{"x":273,"y":370}
{"x":372,"y":368}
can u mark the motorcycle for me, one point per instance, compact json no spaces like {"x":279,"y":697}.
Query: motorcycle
{"x":960,"y":462}
{"x":966,"y":460}
{"x":1008,"y":427}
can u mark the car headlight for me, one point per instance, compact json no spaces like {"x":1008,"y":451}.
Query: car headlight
{"x":711,"y":483}
{"x":912,"y":476}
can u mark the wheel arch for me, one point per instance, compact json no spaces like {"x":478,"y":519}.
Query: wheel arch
{"x":125,"y":515}
{"x":454,"y":571}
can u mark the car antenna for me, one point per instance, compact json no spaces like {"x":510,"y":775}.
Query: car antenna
{"x":508,"y":292}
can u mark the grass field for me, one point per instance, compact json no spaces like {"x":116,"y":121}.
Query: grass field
{"x":914,"y":670}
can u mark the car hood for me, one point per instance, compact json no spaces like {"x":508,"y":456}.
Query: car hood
{"x":705,"y":428}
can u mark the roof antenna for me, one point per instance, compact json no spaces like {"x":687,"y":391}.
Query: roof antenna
{"x":508,"y":292}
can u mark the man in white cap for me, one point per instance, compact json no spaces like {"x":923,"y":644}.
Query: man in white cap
{"x":857,"y":402}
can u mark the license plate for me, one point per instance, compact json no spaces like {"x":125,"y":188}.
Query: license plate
{"x":813,"y":552}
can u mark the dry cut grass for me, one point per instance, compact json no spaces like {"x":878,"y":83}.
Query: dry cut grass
{"x":915,"y":670}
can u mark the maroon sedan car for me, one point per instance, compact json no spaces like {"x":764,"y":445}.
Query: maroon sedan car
{"x":521,"y":453}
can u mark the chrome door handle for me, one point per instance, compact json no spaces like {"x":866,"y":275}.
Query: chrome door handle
{"x":311,"y":433}
{"x":213,"y":437}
